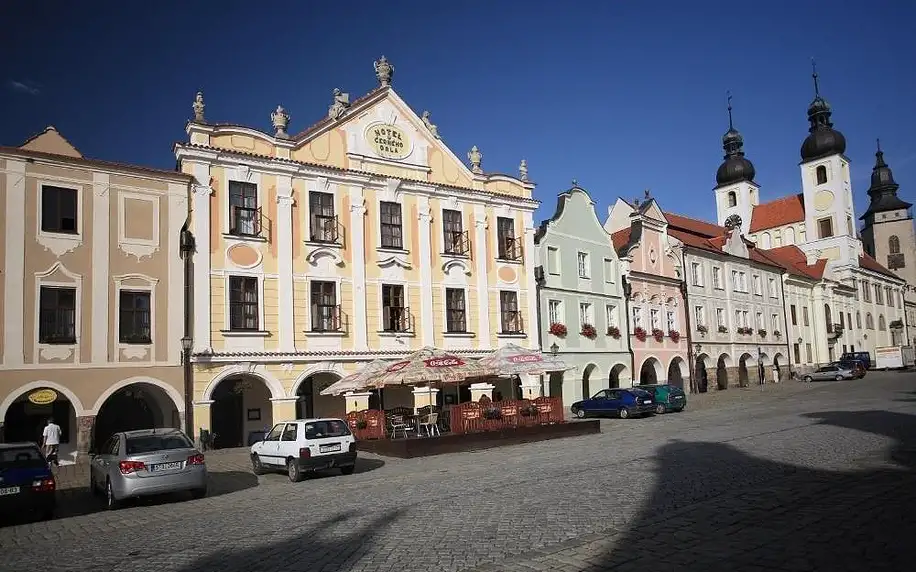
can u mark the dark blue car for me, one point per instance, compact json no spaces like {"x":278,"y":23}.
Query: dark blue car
{"x":620,"y":402}
{"x":26,"y":482}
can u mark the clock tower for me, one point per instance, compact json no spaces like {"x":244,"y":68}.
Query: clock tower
{"x":736,"y":192}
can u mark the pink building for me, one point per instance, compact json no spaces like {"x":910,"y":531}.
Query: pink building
{"x":654,"y":277}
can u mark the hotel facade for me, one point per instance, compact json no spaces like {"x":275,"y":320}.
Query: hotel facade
{"x":362,"y":237}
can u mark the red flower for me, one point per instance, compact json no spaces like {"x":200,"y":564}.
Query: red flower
{"x":558,"y":329}
{"x":658,"y":334}
{"x":674,"y":335}
{"x":588,"y":331}
{"x":640,"y":334}
{"x":614,"y":332}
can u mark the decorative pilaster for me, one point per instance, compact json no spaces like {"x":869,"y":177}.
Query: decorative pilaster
{"x":14,"y":269}
{"x":358,"y":244}
{"x":101,"y":250}
{"x":531,"y":322}
{"x":201,"y":209}
{"x":285,"y":262}
{"x":483,"y":291}
{"x":426,"y":278}
{"x":85,"y":429}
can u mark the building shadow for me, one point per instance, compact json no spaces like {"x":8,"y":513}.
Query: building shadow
{"x":717,"y":508}
{"x":338,"y":543}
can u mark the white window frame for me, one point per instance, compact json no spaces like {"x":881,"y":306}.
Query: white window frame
{"x":337,"y":282}
{"x":637,"y":317}
{"x":260,"y":332}
{"x":610,"y":314}
{"x":583,"y":265}
{"x":758,"y":285}
{"x":241,"y":174}
{"x":586,"y":314}
{"x":699,"y":314}
{"x":655,"y":318}
{"x":555,"y":252}
{"x":736,"y":281}
{"x":150,"y":287}
{"x":76,"y":282}
{"x":771,"y":284}
{"x":556,"y":318}
{"x":720,"y":317}
{"x":717,"y":278}
{"x":406,"y":286}
{"x":671,"y":320}
{"x":697,"y":274}
{"x":60,"y":242}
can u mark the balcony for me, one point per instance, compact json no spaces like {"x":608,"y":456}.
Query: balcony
{"x":510,"y":248}
{"x":247,"y":222}
{"x":511,"y":322}
{"x":326,"y":318}
{"x":325,"y":229}
{"x":457,"y":243}
{"x":396,"y":319}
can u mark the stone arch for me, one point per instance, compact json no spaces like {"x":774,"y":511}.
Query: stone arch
{"x":650,"y":371}
{"x":136,"y":403}
{"x":678,"y":371}
{"x":335,"y":368}
{"x":788,"y":236}
{"x":33,"y":385}
{"x":307,"y":391}
{"x":586,"y":379}
{"x":260,"y":372}
{"x":723,"y":364}
{"x":765,"y":241}
{"x":882,"y":325}
{"x":893,"y":244}
{"x":765,"y":359}
{"x":21,"y":421}
{"x":701,"y":364}
{"x":778,"y":364}
{"x":745,"y":363}
{"x":619,"y":374}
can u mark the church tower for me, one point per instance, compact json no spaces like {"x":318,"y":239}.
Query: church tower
{"x":736,"y":192}
{"x":829,"y":212}
{"x":888,"y":233}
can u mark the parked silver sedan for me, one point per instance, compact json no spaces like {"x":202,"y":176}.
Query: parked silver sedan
{"x":147,"y":462}
{"x":830,"y":372}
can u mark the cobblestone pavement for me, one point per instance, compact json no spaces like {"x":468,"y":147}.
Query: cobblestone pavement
{"x":792,"y":477}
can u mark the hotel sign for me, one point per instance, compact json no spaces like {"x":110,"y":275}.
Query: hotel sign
{"x":388,"y":141}
{"x":43,"y":396}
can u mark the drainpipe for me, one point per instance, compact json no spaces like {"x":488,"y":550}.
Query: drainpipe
{"x":689,"y":333}
{"x":785,"y":317}
{"x":627,"y":290}
{"x":538,"y":285}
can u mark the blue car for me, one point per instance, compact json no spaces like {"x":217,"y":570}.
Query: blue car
{"x":620,"y":402}
{"x":26,"y":482}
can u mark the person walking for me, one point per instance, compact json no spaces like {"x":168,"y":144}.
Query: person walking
{"x":51,"y":441}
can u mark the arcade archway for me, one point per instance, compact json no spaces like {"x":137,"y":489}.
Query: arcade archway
{"x":677,"y":371}
{"x":777,"y":366}
{"x":311,"y":404}
{"x":139,"y":405}
{"x":747,"y":366}
{"x":650,"y":371}
{"x":620,"y":374}
{"x":586,"y":377}
{"x":702,"y":378}
{"x":722,"y":365}
{"x":240,"y":410}
{"x":27,"y":414}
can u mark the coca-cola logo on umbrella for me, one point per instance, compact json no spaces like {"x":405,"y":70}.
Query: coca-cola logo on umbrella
{"x":525,"y":358}
{"x":397,"y":366}
{"x":446,"y":361}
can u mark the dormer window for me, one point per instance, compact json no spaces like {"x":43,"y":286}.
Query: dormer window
{"x":821,"y":174}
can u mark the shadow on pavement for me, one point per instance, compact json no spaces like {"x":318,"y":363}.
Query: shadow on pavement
{"x":756,"y":514}
{"x":337,"y":543}
{"x":79,"y":501}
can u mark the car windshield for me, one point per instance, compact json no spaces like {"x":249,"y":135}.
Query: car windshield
{"x":21,"y":458}
{"x":326,"y":429}
{"x":151,"y":443}
{"x":651,"y":389}
{"x":640,"y":392}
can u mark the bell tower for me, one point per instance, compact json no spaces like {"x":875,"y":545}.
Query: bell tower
{"x":736,"y":192}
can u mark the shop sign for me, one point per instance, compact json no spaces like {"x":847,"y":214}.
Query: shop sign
{"x":388,"y":141}
{"x":43,"y":396}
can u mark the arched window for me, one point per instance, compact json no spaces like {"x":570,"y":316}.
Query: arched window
{"x":881,"y":325}
{"x":765,"y":240}
{"x":789,"y":236}
{"x":732,"y":199}
{"x":858,"y":320}
{"x":869,"y":322}
{"x":828,"y":318}
{"x":821,"y":173}
{"x":893,"y":244}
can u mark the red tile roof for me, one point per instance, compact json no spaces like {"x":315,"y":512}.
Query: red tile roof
{"x":785,"y":210}
{"x":795,"y":261}
{"x":621,"y":238}
{"x":869,"y":263}
{"x":694,"y":226}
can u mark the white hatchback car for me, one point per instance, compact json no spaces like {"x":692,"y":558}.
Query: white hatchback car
{"x":305,"y":445}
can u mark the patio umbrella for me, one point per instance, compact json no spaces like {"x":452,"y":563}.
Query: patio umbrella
{"x":356,"y":381}
{"x":428,"y":365}
{"x":512,"y":359}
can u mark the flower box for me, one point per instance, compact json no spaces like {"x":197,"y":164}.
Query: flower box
{"x":674,"y":335}
{"x":558,"y":329}
{"x":777,"y":333}
{"x":589,"y":331}
{"x":658,"y":334}
{"x":640,"y":334}
{"x":723,"y":329}
{"x":614,"y":332}
{"x":762,"y":333}
{"x":702,"y":329}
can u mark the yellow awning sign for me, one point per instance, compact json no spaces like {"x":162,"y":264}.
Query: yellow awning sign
{"x":43,"y":396}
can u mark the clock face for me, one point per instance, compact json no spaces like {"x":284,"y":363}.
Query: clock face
{"x":734,"y":221}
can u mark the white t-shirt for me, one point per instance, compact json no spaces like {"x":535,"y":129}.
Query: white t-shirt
{"x":51,"y":434}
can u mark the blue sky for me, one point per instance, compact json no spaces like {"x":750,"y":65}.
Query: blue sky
{"x":620,"y":96}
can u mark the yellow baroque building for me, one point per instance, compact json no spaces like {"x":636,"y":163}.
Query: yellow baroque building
{"x":361,"y":237}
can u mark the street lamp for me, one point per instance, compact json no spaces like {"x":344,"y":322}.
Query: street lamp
{"x":554,"y":348}
{"x":760,"y":366}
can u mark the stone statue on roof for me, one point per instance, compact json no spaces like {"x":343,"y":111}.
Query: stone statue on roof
{"x":430,"y":125}
{"x":340,"y":105}
{"x":523,"y":170}
{"x":475,"y":157}
{"x":384,"y":71}
{"x":199,"y":106}
{"x":280,"y":120}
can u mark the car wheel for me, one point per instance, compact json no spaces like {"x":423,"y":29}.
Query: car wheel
{"x":808,"y":379}
{"x":839,"y":378}
{"x":256,"y":466}
{"x":661,"y":409}
{"x":624,"y":413}
{"x":199,"y":493}
{"x":580,"y":413}
{"x":348,"y":470}
{"x":111,"y":502}
{"x":293,"y":470}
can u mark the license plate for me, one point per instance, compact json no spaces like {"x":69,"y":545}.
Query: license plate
{"x":9,"y":491}
{"x":165,"y":467}
{"x":329,"y":448}
{"x":679,"y":397}
{"x":648,"y":402}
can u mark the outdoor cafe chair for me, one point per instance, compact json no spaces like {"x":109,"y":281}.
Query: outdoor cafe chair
{"x":430,"y":424}
{"x":398,"y":423}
